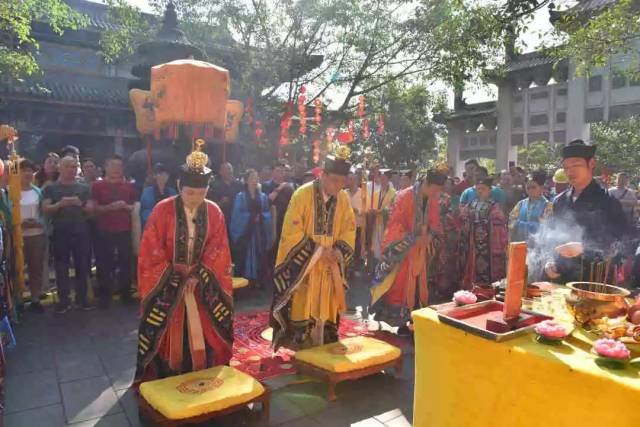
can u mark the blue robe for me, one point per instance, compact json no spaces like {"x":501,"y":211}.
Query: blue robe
{"x":526,"y":217}
{"x":149,"y":198}
{"x":251,"y":240}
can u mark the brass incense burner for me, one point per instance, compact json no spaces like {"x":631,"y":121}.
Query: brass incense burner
{"x":591,"y":301}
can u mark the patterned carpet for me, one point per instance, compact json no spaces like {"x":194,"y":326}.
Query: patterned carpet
{"x":252,"y":351}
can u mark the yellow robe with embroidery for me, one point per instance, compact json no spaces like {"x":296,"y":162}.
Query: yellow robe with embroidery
{"x":310,"y":287}
{"x":384,"y":206}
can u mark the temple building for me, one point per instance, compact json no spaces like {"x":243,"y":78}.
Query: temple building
{"x":538,"y":102}
{"x":86,"y":101}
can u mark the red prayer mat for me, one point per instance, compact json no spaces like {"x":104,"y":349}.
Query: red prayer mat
{"x":252,"y":352}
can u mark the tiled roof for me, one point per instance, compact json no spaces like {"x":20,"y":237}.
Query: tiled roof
{"x":85,"y":91}
{"x":528,"y":60}
{"x":473,"y":110}
{"x":96,"y":13}
{"x":591,"y":5}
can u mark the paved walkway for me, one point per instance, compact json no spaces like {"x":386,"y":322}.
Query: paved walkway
{"x":76,"y":370}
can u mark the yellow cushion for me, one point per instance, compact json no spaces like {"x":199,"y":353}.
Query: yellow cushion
{"x":201,"y":392}
{"x":239,"y":282}
{"x":349,"y":354}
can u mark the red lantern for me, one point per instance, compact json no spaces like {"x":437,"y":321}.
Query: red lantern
{"x":361,"y":106}
{"x":345,"y":137}
{"x":318,"y":110}
{"x":381,"y":124}
{"x":259,"y":132}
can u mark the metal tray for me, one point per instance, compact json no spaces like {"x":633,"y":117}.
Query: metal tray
{"x":459,"y":317}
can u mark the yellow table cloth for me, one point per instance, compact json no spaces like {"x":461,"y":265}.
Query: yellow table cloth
{"x":200,"y":392}
{"x":463,"y":380}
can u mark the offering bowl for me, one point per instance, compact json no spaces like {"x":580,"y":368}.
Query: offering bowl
{"x":590,"y":300}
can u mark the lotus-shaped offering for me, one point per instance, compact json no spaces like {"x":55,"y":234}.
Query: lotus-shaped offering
{"x":612,"y":353}
{"x":550,"y":332}
{"x":464,"y":298}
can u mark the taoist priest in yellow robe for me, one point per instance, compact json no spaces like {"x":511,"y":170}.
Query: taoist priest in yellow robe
{"x":316,"y":246}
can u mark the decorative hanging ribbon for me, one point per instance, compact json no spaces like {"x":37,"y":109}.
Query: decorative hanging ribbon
{"x":196,"y":336}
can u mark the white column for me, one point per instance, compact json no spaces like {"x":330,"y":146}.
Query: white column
{"x":455,"y":140}
{"x":576,"y":101}
{"x":505,"y":152}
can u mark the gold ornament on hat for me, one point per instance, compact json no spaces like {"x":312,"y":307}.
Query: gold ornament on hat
{"x":198,"y":159}
{"x":441,"y":168}
{"x":343,"y":152}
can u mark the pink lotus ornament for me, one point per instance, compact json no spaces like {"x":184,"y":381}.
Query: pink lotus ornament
{"x":550,"y":332}
{"x":613,"y":354}
{"x":464,"y":298}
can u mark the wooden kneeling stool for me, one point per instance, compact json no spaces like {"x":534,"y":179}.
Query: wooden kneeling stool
{"x":200,"y":396}
{"x":348,"y":359}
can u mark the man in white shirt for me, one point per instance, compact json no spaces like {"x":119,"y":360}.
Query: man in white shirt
{"x":34,"y":237}
{"x":626,"y":196}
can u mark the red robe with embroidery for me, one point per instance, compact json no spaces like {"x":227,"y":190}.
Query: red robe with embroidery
{"x":165,"y":339}
{"x":401,"y":279}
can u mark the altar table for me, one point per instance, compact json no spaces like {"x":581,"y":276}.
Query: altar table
{"x":463,"y":380}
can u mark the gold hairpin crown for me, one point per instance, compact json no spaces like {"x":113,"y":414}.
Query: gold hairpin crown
{"x":198,"y":159}
{"x":442,"y":168}
{"x":343,"y":152}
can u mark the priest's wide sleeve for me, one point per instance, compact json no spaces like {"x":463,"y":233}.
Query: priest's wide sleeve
{"x":154,"y":260}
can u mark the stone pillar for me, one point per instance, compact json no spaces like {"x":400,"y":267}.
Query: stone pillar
{"x":455,"y":140}
{"x":505,"y":152}
{"x":118,"y":145}
{"x":576,"y":101}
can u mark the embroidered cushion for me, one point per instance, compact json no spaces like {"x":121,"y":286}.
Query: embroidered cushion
{"x":201,"y":392}
{"x":349,"y":354}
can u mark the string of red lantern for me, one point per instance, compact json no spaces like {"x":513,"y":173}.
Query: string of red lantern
{"x":248,"y":115}
{"x":285,"y":124}
{"x":361,"y":106}
{"x":302,"y":111}
{"x":365,"y":128}
{"x":318,"y":111}
{"x":316,"y":151}
{"x":259,"y":132}
{"x":381,"y":124}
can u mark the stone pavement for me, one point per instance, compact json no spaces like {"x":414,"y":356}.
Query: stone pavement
{"x":76,"y":369}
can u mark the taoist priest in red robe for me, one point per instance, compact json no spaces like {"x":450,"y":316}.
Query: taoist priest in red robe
{"x":184,"y":271}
